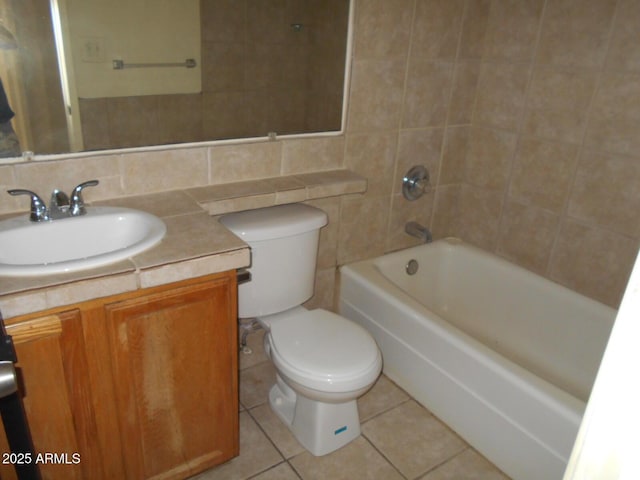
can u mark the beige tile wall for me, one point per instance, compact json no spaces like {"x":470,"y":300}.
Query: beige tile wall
{"x":551,"y":176}
{"x":526,"y":113}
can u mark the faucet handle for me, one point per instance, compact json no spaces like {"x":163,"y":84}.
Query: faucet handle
{"x":76,"y":204}
{"x":39,"y":212}
{"x":415,"y":182}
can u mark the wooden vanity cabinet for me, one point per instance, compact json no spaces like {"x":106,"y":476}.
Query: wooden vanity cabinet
{"x":141,"y":385}
{"x":167,"y":350}
{"x":57,"y":400}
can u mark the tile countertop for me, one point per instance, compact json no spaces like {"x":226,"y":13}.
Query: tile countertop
{"x":196,"y":244}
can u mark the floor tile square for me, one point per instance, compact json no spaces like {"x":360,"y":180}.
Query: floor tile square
{"x":356,"y":461}
{"x":257,"y":454}
{"x":412,"y":439}
{"x":469,"y":465}
{"x":255,"y":383}
{"x":279,"y":472}
{"x":383,"y":396}
{"x":277,"y":431}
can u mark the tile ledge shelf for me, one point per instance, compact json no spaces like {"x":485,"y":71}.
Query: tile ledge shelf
{"x":266,"y":192}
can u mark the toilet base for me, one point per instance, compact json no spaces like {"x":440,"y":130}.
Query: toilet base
{"x":320,"y":427}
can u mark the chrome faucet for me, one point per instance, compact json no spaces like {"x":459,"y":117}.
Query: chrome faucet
{"x":58,"y":205}
{"x":61,"y":206}
{"x":416,"y":230}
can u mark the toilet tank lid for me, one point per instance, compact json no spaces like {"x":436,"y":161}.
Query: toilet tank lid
{"x":274,"y":222}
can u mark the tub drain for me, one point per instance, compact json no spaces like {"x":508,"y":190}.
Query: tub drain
{"x":412,"y":267}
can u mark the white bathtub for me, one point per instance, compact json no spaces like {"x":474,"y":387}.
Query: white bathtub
{"x":503,"y":356}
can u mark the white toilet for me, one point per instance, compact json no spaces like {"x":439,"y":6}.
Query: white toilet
{"x":323,"y":361}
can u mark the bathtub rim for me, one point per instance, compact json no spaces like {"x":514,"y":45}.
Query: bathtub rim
{"x":453,"y":242}
{"x":373,"y":270}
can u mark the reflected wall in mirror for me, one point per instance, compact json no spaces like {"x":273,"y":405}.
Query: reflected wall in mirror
{"x":261,"y":66}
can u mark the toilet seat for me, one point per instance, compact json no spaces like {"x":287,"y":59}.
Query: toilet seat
{"x":323,"y":351}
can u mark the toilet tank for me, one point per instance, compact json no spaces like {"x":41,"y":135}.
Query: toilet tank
{"x":284,"y":247}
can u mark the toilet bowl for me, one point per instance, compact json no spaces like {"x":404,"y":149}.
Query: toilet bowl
{"x":323,"y":361}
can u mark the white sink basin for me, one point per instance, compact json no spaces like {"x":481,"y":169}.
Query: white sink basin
{"x":102,"y":236}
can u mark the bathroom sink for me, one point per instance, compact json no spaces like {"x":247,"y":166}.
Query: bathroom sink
{"x":102,"y":236}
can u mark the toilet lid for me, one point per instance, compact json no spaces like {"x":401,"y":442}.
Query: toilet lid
{"x":318,"y":343}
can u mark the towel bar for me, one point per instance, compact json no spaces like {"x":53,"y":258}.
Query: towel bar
{"x":120,"y":65}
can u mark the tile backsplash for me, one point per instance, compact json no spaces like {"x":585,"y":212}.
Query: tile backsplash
{"x":527,"y":115}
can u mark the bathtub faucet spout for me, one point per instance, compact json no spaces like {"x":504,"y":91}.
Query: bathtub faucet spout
{"x":416,"y":230}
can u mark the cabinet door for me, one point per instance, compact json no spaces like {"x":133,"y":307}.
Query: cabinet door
{"x":52,"y":372}
{"x":174,"y":361}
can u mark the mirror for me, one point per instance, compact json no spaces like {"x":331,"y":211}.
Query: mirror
{"x":105,"y":74}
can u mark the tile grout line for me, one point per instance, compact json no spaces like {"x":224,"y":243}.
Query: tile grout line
{"x":564,"y":213}
{"x":371,"y":442}
{"x":388,"y":409}
{"x":398,"y":127}
{"x":373,"y":445}
{"x":284,"y":459}
{"x":443,"y":146}
{"x":519,"y":131}
{"x":443,"y":462}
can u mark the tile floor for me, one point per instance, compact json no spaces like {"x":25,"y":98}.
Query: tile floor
{"x":400,"y":439}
